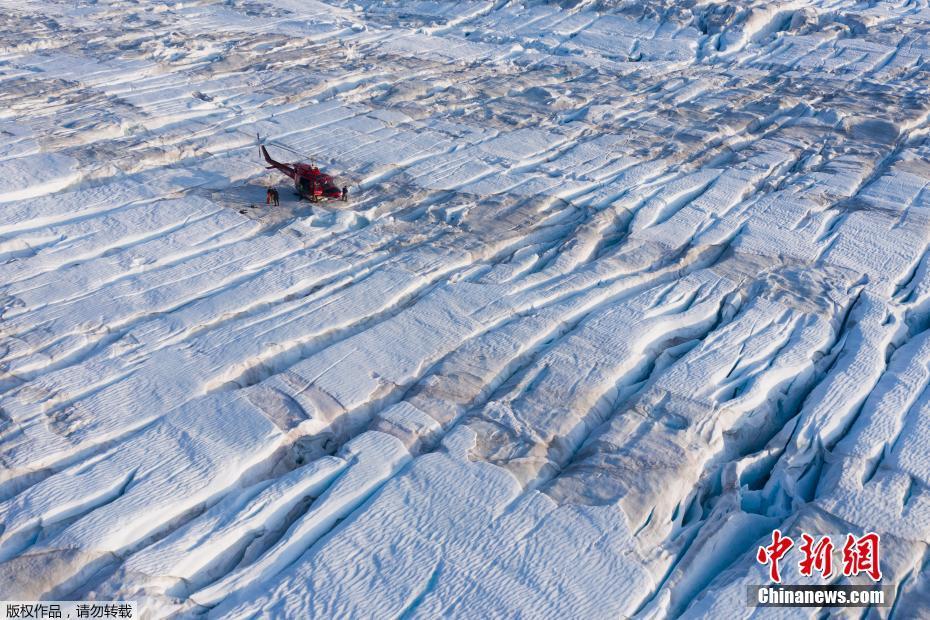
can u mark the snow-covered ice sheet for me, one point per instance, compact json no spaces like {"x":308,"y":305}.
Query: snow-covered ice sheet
{"x":621,"y":287}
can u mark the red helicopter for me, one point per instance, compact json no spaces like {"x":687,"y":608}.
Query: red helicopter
{"x":309,"y":182}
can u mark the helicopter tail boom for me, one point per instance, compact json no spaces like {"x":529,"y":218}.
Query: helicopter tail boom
{"x":285,"y":168}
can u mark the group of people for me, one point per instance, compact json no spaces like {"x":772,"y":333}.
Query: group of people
{"x":272,"y":197}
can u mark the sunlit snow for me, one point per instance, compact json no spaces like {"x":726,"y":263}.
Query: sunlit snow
{"x":620,"y":288}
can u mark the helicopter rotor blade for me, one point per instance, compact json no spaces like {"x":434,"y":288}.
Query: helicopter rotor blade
{"x":292,"y":150}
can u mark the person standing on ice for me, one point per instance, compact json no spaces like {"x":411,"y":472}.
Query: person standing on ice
{"x":269,"y":195}
{"x":345,"y":194}
{"x":275,"y":196}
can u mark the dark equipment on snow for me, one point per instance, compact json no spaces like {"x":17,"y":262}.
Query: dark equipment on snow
{"x":308,"y":180}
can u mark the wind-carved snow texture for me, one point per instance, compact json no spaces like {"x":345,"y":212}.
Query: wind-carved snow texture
{"x":621,"y":287}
